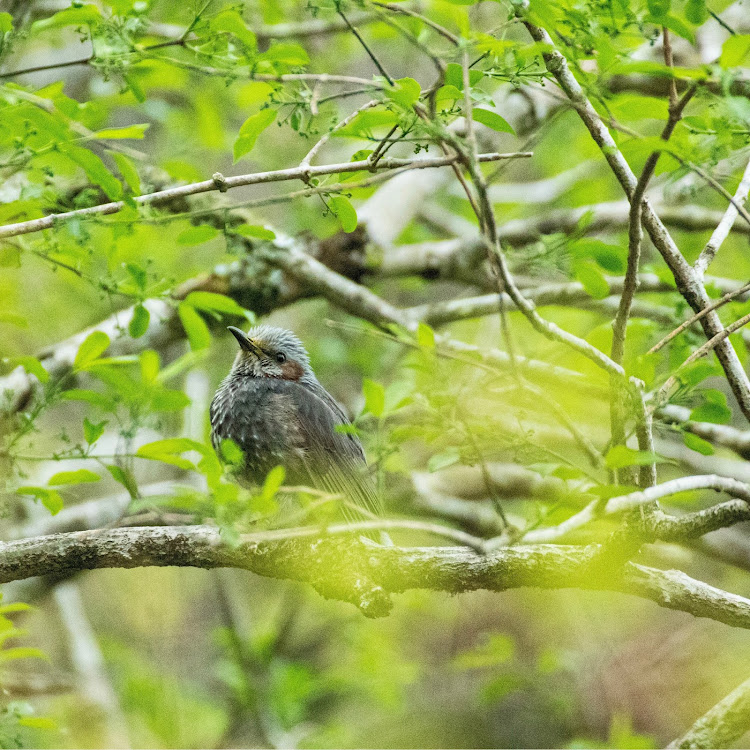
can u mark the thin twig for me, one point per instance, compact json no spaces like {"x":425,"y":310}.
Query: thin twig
{"x":725,"y":225}
{"x":728,"y":297}
{"x":221,"y":183}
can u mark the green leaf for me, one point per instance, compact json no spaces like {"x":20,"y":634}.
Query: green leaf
{"x":92,"y":431}
{"x":696,"y":11}
{"x":620,"y":456}
{"x":79,"y":476}
{"x":658,"y":8}
{"x":34,"y":367}
{"x":612,"y":258}
{"x":591,"y":278}
{"x":735,"y":51}
{"x":128,"y":171}
{"x":76,"y":16}
{"x":131,"y":131}
{"x":168,"y":451}
{"x":344,"y":212}
{"x":6,"y":23}
{"x":231,"y":453}
{"x":90,"y":397}
{"x":22,"y":652}
{"x":405,"y":92}
{"x":274,"y":479}
{"x":365,"y":123}
{"x":698,"y":444}
{"x":443,"y":460}
{"x":374,"y":397}
{"x":492,"y":120}
{"x":232,"y":22}
{"x":454,"y":76}
{"x":213,"y":302}
{"x":92,"y":348}
{"x":125,"y":478}
{"x":50,"y":499}
{"x":248,"y":230}
{"x":95,"y":170}
{"x":37,"y":722}
{"x":149,"y":361}
{"x":195,"y":327}
{"x":139,"y":322}
{"x":166,"y":399}
{"x":696,"y":372}
{"x":673,"y":24}
{"x":425,"y":336}
{"x":197,"y":235}
{"x":714,"y":409}
{"x":448,"y":93}
{"x":285,"y":53}
{"x":250,"y":130}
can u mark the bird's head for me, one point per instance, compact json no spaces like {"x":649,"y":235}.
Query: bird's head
{"x":269,"y":352}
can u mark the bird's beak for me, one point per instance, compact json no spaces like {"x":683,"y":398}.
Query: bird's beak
{"x":246,"y":344}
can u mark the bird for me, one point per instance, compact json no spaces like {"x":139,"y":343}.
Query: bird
{"x":272,"y":406}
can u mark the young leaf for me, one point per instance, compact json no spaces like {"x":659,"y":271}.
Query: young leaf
{"x":50,"y":499}
{"x":34,"y":367}
{"x":344,"y":211}
{"x":443,"y":460}
{"x":79,"y":476}
{"x":213,"y":302}
{"x":95,"y":170}
{"x":91,"y":431}
{"x":131,"y":131}
{"x":492,"y":120}
{"x":195,"y":327}
{"x":698,"y":444}
{"x":91,"y":349}
{"x":735,"y":51}
{"x":425,"y":336}
{"x":81,"y":15}
{"x":405,"y":92}
{"x":591,"y":278}
{"x":274,"y":479}
{"x":139,"y":322}
{"x":250,"y":130}
{"x":197,"y":235}
{"x":128,"y":171}
{"x":248,"y":230}
{"x":374,"y":397}
{"x":231,"y":21}
{"x":620,"y":456}
{"x":125,"y":478}
{"x":713,"y":409}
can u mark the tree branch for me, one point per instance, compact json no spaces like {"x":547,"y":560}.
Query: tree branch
{"x":688,"y":283}
{"x":222,"y":184}
{"x":721,"y":725}
{"x":362,"y":574}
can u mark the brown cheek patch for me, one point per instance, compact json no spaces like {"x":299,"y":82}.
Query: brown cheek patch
{"x":291,"y":370}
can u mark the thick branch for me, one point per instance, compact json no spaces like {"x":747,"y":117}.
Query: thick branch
{"x":359,"y":573}
{"x":721,"y":725}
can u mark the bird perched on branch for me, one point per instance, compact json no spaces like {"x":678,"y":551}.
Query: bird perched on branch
{"x":273,"y":408}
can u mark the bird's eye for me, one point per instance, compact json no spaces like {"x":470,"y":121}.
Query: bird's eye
{"x":281,"y":358}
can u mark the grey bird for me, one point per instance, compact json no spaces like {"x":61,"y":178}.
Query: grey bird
{"x":273,"y":408}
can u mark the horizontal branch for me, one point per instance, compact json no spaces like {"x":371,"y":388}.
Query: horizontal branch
{"x":363,"y":574}
{"x":222,"y":184}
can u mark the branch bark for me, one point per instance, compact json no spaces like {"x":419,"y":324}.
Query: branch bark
{"x":362,"y":574}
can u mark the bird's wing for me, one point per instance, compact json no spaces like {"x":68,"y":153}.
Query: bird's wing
{"x":335,"y":460}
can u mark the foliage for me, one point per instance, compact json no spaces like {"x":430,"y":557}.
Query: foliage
{"x":518,"y":408}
